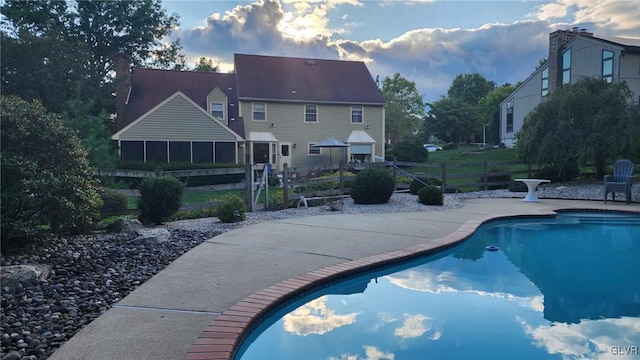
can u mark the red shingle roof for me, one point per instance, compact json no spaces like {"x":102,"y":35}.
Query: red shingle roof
{"x":301,"y":79}
{"x":149,"y":87}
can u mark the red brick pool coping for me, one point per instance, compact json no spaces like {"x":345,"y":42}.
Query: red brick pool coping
{"x":221,"y":339}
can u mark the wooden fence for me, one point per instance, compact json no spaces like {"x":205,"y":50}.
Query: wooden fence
{"x":476,"y":176}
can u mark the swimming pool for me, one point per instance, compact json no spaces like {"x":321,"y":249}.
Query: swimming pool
{"x":564,"y":287}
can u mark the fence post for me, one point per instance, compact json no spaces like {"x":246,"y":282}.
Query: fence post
{"x":341,"y":178}
{"x":486,"y":180}
{"x":444,"y":177}
{"x":285,"y":184}
{"x":529,"y":171}
{"x":248,"y":178}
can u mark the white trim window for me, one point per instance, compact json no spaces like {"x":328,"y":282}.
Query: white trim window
{"x":357,"y":113}
{"x":311,"y":114}
{"x":607,"y":65}
{"x":217,"y":110}
{"x":566,"y":67}
{"x":259,"y":112}
{"x":545,"y":82}
{"x":311,"y":151}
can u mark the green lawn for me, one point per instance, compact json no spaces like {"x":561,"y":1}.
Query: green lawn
{"x":193,"y":197}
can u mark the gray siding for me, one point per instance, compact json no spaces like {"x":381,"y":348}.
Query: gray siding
{"x":177,"y":120}
{"x":525,"y":98}
{"x":586,"y":58}
{"x":333,"y":121}
{"x":630,"y":72}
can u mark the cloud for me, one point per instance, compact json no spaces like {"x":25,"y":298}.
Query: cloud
{"x":315,"y":318}
{"x":413,"y":326}
{"x":371,"y":353}
{"x":602,"y":16}
{"x":431,"y":57}
{"x":589,"y":339}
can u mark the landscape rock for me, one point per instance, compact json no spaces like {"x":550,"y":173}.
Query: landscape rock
{"x":131,"y":226}
{"x":11,"y":277}
{"x":152,"y":236}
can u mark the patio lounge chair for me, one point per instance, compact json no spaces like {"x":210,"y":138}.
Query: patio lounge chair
{"x":620,"y":181}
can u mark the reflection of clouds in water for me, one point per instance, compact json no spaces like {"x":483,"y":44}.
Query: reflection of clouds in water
{"x":370,"y":353}
{"x":436,"y":336}
{"x":383,"y":319}
{"x":413,"y":326}
{"x":589,"y":339}
{"x":430,"y":281}
{"x":315,"y":318}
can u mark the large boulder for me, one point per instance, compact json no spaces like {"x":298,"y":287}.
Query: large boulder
{"x":11,"y":276}
{"x":130,"y":226}
{"x":152,"y":236}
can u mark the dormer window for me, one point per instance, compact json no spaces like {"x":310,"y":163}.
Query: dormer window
{"x":217,"y":111}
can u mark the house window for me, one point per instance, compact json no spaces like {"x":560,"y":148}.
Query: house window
{"x":179,"y":151}
{"x":311,"y":113}
{"x":313,"y":151}
{"x":607,"y":65}
{"x":356,"y":114}
{"x":217,"y":111}
{"x":260,"y":153}
{"x":202,"y":151}
{"x":259,"y":111}
{"x":225,"y":152}
{"x":510,"y":116}
{"x":566,"y":67}
{"x":545,"y":82}
{"x":132,"y":150}
{"x":157,"y":151}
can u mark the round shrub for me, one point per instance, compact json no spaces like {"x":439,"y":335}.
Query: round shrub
{"x":231,"y":209}
{"x":417,"y":185}
{"x":410,"y":149}
{"x":113,"y":203}
{"x":160,"y":198}
{"x":430,"y":195}
{"x":47,"y":182}
{"x":372,"y":186}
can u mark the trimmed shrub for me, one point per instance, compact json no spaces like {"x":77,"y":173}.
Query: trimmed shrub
{"x":160,"y":198}
{"x":430,"y":195}
{"x":113,"y":203}
{"x":518,"y":186}
{"x":416,"y":185}
{"x":231,"y":209}
{"x":273,"y":181}
{"x":411,"y":149}
{"x":372,"y":186}
{"x":47,"y":182}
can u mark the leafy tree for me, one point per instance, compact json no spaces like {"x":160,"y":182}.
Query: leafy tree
{"x":206,"y":65}
{"x":92,"y":131}
{"x":470,"y":88}
{"x":60,"y":45}
{"x":586,"y":122}
{"x":405,"y":108}
{"x":46,"y":179}
{"x":489,"y":111}
{"x":452,"y":120}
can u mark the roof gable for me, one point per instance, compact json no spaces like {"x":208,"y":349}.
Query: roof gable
{"x":166,"y":101}
{"x":150,"y":87}
{"x":301,"y":79}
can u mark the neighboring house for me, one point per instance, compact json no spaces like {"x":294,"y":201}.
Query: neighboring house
{"x":573,"y":55}
{"x":270,"y":111}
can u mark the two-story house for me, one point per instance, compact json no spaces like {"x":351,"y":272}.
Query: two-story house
{"x":573,"y":55}
{"x":270,"y":110}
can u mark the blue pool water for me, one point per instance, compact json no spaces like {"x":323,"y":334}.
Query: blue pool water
{"x":557,"y":288}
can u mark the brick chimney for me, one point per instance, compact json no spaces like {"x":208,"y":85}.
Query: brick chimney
{"x":557,"y":40}
{"x":123,"y":85}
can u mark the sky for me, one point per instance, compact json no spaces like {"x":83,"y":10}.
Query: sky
{"x":428,"y":42}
